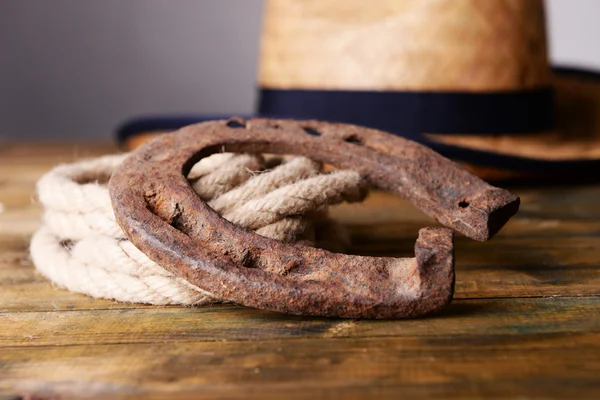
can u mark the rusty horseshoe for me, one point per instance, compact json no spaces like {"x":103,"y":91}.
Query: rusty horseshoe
{"x":161,"y":215}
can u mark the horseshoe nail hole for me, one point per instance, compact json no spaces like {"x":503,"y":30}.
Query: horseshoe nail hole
{"x":463,"y":204}
{"x":311,"y":131}
{"x":354,"y":140}
{"x":177,"y":217}
{"x":247,"y":260}
{"x":234,"y":123}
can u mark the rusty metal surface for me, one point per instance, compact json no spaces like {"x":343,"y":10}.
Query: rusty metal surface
{"x":162,"y":216}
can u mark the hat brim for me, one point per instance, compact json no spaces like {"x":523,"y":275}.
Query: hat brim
{"x":571,"y":151}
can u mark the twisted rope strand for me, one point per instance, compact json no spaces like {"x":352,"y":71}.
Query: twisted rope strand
{"x":299,"y":198}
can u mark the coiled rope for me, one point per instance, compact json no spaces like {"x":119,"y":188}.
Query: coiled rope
{"x":80,"y":247}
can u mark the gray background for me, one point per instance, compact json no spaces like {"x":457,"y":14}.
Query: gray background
{"x":75,"y":69}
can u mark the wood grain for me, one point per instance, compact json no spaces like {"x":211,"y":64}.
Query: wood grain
{"x":528,"y":365}
{"x":523,"y":323}
{"x":234,"y":323}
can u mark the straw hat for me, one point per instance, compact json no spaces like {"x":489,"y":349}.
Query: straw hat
{"x":469,"y":78}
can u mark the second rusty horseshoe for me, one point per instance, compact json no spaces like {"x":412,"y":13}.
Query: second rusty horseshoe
{"x":161,"y":215}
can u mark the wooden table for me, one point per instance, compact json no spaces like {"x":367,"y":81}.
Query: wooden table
{"x":524,"y":323}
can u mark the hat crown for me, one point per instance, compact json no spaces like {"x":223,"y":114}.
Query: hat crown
{"x":404,"y":45}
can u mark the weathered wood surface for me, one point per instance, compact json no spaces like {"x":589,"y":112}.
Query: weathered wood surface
{"x":524,"y":322}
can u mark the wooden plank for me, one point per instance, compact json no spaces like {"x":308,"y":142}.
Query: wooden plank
{"x":230,"y":323}
{"x":52,"y":149}
{"x":560,"y":203}
{"x":22,"y":164}
{"x":529,"y":365}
